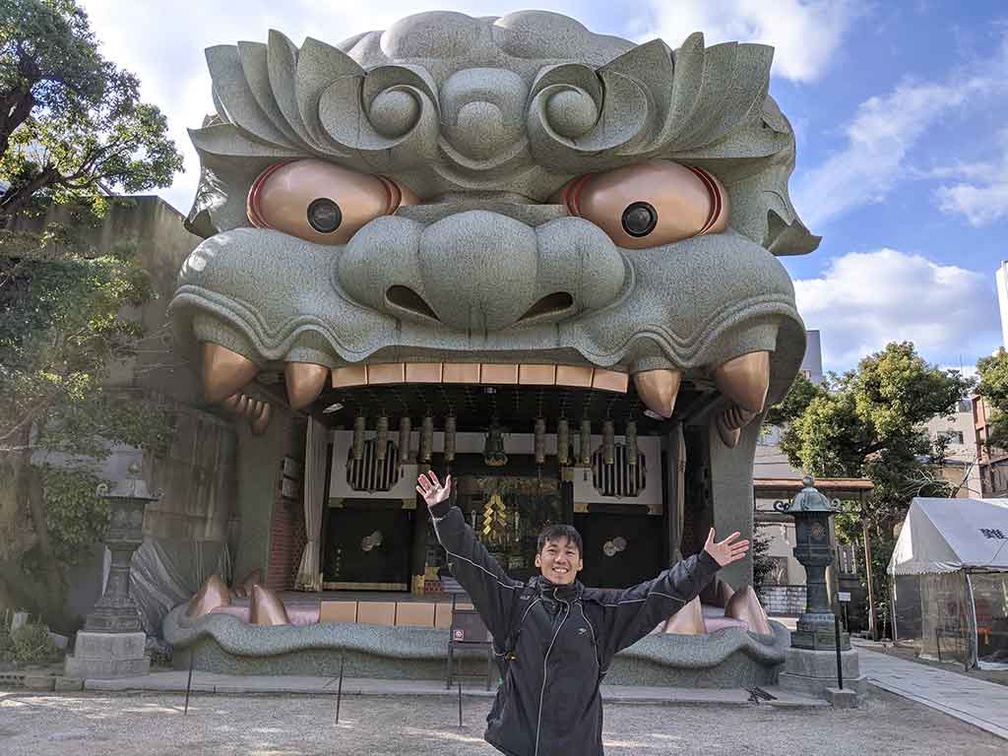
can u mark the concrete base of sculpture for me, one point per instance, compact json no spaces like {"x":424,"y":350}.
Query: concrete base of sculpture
{"x":728,"y":658}
{"x":813,"y":672}
{"x":105,"y":656}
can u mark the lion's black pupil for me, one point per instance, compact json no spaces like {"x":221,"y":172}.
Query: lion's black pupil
{"x":639,"y":219}
{"x":324,"y":215}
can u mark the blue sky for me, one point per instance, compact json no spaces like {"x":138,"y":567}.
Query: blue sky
{"x":900,"y":110}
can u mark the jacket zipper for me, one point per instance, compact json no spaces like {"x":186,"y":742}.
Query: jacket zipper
{"x":542,"y":690}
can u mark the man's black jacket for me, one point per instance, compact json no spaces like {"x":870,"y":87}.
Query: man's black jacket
{"x":556,"y":642}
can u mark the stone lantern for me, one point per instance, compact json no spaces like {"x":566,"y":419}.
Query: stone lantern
{"x":812,"y":511}
{"x":112,"y":643}
{"x":812,"y":662}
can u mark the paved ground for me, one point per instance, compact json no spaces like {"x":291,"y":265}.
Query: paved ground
{"x":909,"y":653}
{"x":982,"y":703}
{"x":152,"y":724}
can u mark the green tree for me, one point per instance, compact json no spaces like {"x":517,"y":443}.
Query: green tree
{"x":993,"y":386}
{"x":871,"y":425}
{"x":72,"y":128}
{"x":763,"y":563}
{"x":798,"y":397}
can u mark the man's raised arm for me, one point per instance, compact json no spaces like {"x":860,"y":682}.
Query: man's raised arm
{"x":634,"y":612}
{"x":491,"y":590}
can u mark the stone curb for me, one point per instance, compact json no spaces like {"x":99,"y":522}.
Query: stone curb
{"x":69,"y":684}
{"x":39,"y":682}
{"x":274,"y":686}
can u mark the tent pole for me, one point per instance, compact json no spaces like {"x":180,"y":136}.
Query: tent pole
{"x":973,"y":653}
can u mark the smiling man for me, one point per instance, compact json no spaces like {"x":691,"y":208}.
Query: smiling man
{"x":553,"y":637}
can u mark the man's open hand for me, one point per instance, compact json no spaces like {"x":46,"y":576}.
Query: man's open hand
{"x":431,"y":489}
{"x":727,"y":551}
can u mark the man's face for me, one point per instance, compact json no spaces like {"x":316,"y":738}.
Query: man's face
{"x":559,"y":561}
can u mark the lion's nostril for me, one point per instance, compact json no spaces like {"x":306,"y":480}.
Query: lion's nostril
{"x":553,"y":303}
{"x":407,"y":299}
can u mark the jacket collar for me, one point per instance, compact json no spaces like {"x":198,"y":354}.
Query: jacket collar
{"x":550,"y":590}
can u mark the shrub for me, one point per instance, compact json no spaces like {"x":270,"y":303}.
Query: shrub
{"x":6,"y":645}
{"x":32,"y":645}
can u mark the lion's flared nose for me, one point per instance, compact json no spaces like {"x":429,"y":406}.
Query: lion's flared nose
{"x":479,"y":269}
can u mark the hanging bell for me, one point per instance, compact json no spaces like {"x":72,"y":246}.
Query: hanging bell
{"x":631,"y":443}
{"x":359,"y":425}
{"x":540,"y":441}
{"x":608,"y":442}
{"x":381,"y":438}
{"x":427,"y":439}
{"x":563,"y":442}
{"x":405,"y":431}
{"x":585,"y":450}
{"x":449,"y":438}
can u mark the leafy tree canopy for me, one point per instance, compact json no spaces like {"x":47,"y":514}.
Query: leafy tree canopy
{"x":72,"y":130}
{"x":871,"y":425}
{"x":880,"y":406}
{"x":72,"y":126}
{"x":993,"y":386}
{"x":799,"y":396}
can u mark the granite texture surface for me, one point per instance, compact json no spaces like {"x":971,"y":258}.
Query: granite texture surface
{"x":731,"y":657}
{"x":484,"y":120}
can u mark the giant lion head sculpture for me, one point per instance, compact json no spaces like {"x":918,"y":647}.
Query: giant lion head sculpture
{"x":495,"y":200}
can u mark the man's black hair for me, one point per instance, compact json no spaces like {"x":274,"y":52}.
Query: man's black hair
{"x":556,"y":532}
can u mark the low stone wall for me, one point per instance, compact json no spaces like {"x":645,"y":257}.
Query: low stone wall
{"x":728,"y":658}
{"x":782,"y":600}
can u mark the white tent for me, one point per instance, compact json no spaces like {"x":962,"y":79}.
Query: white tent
{"x":948,"y":535}
{"x":949,"y":571}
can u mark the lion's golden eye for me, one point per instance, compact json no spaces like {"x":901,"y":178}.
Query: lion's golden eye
{"x":650,"y":204}
{"x":321,"y":202}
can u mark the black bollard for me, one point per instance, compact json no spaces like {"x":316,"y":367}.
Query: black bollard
{"x":839,"y":668}
{"x":339,"y":689}
{"x":460,"y":703}
{"x":188,"y":686}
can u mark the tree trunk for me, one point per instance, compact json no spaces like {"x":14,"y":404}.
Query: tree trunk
{"x":20,"y":591}
{"x":15,"y":539}
{"x":872,"y":617}
{"x":14,"y":203}
{"x":15,"y":109}
{"x":18,"y":536}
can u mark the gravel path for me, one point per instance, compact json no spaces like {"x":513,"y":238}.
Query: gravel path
{"x":152,"y":724}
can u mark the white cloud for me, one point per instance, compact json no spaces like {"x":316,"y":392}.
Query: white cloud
{"x":864,"y":300}
{"x":983,"y":197}
{"x":886,"y":132}
{"x":804,"y":33}
{"x":966,"y":371}
{"x":980,"y":204}
{"x":879,"y":139}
